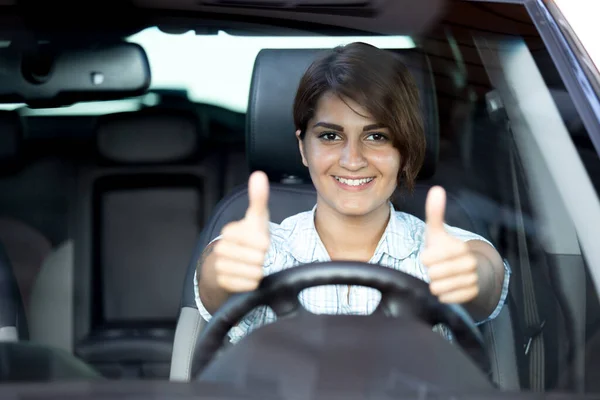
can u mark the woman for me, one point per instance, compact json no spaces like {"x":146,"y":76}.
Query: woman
{"x":360,"y":133}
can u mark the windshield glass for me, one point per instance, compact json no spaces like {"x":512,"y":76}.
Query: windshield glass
{"x":111,"y":211}
{"x":187,"y":61}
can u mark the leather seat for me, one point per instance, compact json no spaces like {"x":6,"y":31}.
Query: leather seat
{"x":13,"y":325}
{"x":13,"y":322}
{"x":27,"y":249}
{"x":272,"y":147}
{"x":140,"y":208}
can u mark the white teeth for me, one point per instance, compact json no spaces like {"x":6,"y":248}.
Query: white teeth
{"x":354,"y":182}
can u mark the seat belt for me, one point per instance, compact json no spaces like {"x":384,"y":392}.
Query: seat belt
{"x":532,"y":327}
{"x":533,"y":346}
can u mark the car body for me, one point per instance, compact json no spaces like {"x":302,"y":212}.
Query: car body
{"x":109,"y":196}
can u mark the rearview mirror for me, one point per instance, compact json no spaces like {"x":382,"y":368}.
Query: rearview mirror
{"x":54,"y":76}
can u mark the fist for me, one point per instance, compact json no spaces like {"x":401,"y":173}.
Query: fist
{"x":241,"y":251}
{"x":451,"y":265}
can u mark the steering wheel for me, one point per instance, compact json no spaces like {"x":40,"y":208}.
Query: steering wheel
{"x":402,"y":295}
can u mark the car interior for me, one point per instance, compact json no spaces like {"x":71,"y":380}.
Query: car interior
{"x":108,"y":198}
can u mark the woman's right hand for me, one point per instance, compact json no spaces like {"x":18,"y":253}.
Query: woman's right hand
{"x":241,"y":251}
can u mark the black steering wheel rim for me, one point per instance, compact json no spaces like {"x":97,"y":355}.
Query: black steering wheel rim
{"x":402,"y":295}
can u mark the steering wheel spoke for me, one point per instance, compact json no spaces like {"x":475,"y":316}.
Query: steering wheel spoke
{"x":286,"y":305}
{"x":392,"y":305}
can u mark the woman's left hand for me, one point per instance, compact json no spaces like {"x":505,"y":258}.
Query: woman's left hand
{"x":451,"y":264}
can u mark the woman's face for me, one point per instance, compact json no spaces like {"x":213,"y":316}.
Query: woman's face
{"x":350,"y":157}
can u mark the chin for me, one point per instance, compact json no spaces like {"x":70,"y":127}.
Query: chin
{"x":355,"y":208}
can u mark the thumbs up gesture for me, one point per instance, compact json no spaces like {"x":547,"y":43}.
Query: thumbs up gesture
{"x":451,"y":265}
{"x":241,"y":251}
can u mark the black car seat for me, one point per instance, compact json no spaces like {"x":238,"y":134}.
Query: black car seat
{"x":272,"y":147}
{"x":147,"y":200}
{"x":13,"y":325}
{"x":34,"y":182}
{"x":13,"y":322}
{"x":27,"y":249}
{"x":138,"y":205}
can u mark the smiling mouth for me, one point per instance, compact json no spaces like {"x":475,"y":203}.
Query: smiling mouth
{"x":354,"y":182}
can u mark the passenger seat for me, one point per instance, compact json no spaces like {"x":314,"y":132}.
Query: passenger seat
{"x":138,"y":210}
{"x":24,"y":246}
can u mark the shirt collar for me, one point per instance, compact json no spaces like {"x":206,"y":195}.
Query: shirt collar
{"x":306,"y":246}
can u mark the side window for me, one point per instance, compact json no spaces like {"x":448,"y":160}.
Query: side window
{"x":584,"y":305}
{"x":520,"y":123}
{"x":553,"y":301}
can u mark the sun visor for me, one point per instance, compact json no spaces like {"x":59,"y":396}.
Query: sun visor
{"x":148,"y":136}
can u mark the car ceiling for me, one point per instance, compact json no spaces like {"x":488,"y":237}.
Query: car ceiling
{"x":398,"y":17}
{"x":385,"y":16}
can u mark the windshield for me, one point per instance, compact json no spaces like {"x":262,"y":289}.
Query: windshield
{"x":107,"y":208}
{"x":187,"y":61}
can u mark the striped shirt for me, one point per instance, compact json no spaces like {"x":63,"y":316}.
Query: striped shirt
{"x":295,"y":241}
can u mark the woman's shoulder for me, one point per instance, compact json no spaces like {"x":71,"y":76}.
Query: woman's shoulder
{"x":415,"y":227}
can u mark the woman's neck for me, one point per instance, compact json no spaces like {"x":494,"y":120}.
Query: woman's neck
{"x":348,"y":237}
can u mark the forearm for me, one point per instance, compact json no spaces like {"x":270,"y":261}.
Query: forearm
{"x":490,"y":271}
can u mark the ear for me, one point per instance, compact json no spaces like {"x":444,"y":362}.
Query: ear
{"x":301,"y":147}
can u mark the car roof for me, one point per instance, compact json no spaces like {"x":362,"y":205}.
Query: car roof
{"x":385,"y":17}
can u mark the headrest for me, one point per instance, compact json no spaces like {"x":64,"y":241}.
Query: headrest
{"x":148,"y":136}
{"x":11,"y":132}
{"x":271,"y":143}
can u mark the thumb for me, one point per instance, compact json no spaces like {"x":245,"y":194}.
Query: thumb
{"x":435,"y":208}
{"x":258,"y":196}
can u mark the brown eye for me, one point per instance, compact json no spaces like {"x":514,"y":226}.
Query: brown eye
{"x":329,"y":136}
{"x":377,"y":137}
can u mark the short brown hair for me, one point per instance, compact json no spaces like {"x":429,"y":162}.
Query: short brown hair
{"x":380,"y":83}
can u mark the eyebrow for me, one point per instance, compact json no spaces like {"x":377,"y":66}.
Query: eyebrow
{"x":373,"y":127}
{"x":340,"y":128}
{"x":329,"y":126}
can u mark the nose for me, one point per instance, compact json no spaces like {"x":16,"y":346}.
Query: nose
{"x":352,"y":157}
